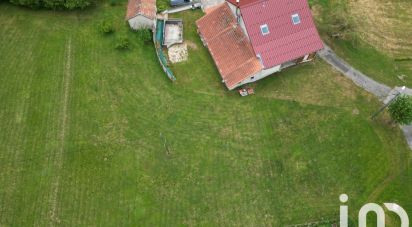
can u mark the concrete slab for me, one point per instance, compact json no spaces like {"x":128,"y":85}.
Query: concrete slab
{"x":206,"y":4}
{"x":173,"y":34}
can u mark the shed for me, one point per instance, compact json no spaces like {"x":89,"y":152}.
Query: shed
{"x":141,"y":14}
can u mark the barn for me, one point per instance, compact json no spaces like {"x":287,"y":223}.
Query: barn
{"x":252,"y":39}
{"x":141,"y":14}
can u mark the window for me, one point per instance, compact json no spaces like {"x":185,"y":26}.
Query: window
{"x":295,"y":19}
{"x":264,"y":29}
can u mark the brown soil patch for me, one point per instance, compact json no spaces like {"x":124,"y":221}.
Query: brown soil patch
{"x":191,"y":45}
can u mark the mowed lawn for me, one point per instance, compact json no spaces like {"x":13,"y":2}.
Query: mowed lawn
{"x":90,"y":135}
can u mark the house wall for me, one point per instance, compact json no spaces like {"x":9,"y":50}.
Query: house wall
{"x":267,"y":72}
{"x":304,"y":59}
{"x":260,"y":75}
{"x":242,"y":23}
{"x":141,"y":22}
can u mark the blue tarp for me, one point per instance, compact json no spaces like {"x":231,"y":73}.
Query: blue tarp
{"x":160,"y":55}
{"x":159,"y":31}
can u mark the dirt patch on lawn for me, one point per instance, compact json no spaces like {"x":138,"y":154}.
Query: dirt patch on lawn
{"x":384,"y":24}
{"x":191,"y":45}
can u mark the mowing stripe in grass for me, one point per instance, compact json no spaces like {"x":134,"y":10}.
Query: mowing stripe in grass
{"x":58,"y":159}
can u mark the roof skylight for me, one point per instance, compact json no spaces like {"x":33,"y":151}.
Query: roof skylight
{"x":264,"y":29}
{"x":295,"y":19}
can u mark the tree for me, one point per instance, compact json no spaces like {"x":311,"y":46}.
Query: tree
{"x":401,"y":110}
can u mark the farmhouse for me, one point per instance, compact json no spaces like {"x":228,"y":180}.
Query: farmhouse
{"x":141,"y":14}
{"x":253,"y":39}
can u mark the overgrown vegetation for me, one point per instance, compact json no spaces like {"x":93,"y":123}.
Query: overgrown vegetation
{"x":162,"y":5}
{"x":144,"y":35}
{"x":340,"y":24}
{"x":348,"y":34}
{"x":54,"y":4}
{"x":106,"y":26}
{"x":114,"y":2}
{"x":122,"y":42}
{"x":401,"y":110}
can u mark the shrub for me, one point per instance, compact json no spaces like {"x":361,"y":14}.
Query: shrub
{"x":162,"y":5}
{"x":106,"y":26}
{"x":401,"y":110}
{"x":113,"y":2}
{"x":144,"y":35}
{"x":122,"y":42}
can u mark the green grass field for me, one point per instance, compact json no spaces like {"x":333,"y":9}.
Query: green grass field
{"x":93,"y":136}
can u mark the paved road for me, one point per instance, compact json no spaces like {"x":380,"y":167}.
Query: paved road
{"x":206,"y":4}
{"x":182,"y":8}
{"x":383,"y":92}
{"x":360,"y":79}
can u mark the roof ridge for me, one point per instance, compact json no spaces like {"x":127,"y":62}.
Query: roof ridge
{"x":252,"y":3}
{"x":223,"y":31}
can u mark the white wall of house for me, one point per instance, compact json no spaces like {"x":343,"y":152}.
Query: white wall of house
{"x":267,"y":72}
{"x":141,"y":22}
{"x":260,"y":75}
{"x":242,"y":23}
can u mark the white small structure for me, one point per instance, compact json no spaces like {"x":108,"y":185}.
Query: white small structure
{"x":173,"y":32}
{"x":141,"y":14}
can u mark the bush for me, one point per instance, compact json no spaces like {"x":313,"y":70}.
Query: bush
{"x":162,"y":5}
{"x":113,"y":2}
{"x":401,"y":110}
{"x":122,"y":42}
{"x":106,"y":27}
{"x":54,"y":4}
{"x":144,"y":35}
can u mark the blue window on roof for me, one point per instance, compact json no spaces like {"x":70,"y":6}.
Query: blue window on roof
{"x":264,"y":29}
{"x":295,"y":19}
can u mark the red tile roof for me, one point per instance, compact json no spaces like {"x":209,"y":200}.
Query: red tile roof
{"x":228,"y":45}
{"x":145,"y":8}
{"x":285,"y":40}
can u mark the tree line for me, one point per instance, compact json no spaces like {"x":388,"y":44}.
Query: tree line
{"x":54,"y":4}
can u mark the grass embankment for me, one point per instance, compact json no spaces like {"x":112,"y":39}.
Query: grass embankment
{"x":379,"y":43}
